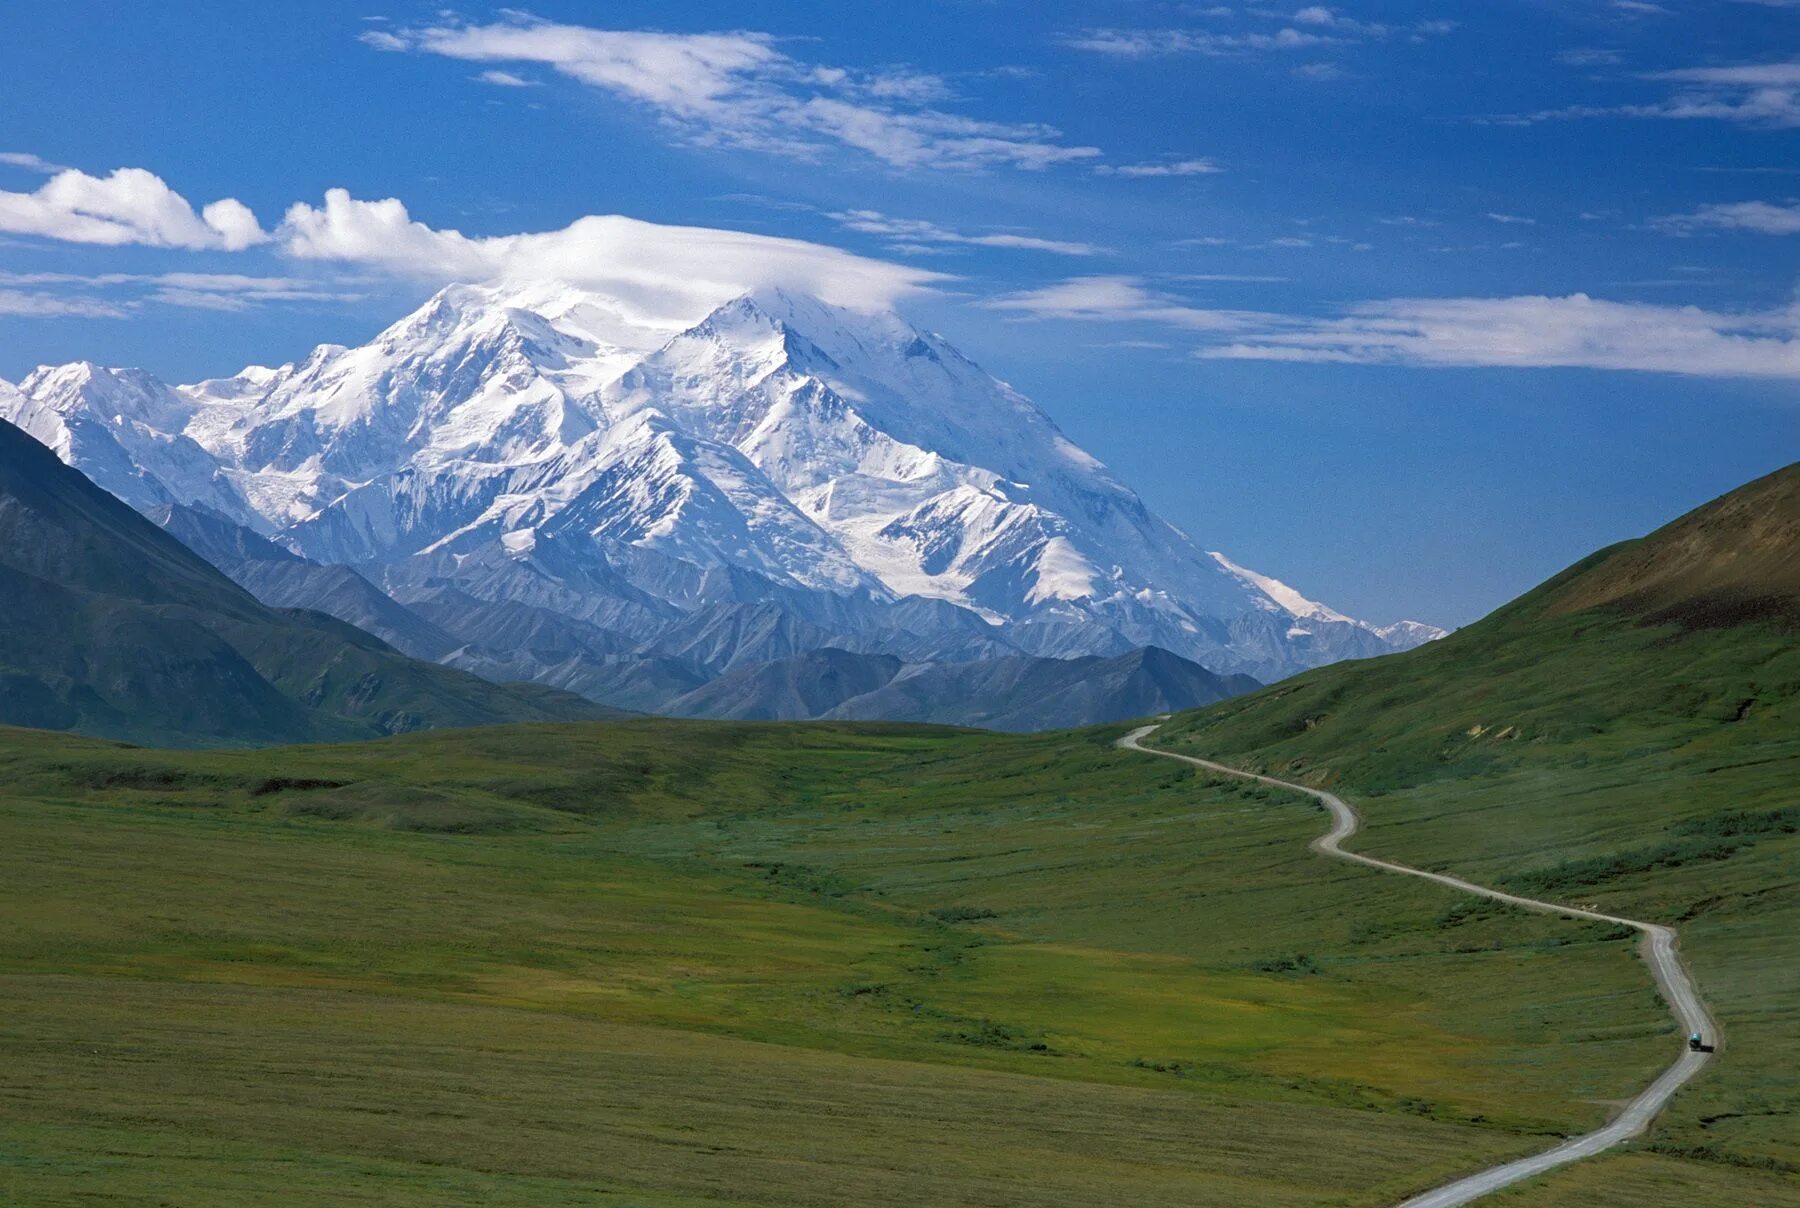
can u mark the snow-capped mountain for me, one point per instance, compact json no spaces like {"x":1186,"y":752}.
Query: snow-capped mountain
{"x":540,"y":445}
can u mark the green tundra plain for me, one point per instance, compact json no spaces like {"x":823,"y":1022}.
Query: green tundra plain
{"x":656,"y":962}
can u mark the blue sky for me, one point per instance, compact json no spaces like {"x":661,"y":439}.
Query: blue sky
{"x":1407,"y":304}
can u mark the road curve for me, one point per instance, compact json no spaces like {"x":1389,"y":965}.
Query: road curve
{"x":1658,"y":950}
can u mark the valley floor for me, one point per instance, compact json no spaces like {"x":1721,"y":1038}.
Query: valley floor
{"x":679,"y":963}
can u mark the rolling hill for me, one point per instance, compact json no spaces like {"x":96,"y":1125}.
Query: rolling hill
{"x":1626,"y":734}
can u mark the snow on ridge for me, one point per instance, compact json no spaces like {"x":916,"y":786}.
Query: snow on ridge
{"x":832,"y":449}
{"x":1285,"y":597}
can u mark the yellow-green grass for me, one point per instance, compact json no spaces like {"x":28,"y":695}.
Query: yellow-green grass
{"x":1647,"y":770}
{"x":1638,"y":1179}
{"x":222,"y":1094}
{"x":677,"y":962}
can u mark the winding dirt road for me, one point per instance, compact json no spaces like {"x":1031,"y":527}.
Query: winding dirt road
{"x":1658,"y":951}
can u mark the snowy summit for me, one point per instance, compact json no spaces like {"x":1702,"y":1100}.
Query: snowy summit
{"x":542,"y":442}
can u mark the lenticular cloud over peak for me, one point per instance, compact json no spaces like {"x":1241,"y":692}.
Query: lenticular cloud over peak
{"x":670,"y":273}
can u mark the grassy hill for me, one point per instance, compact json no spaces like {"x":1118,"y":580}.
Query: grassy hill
{"x":110,"y":626}
{"x":1628,"y":735}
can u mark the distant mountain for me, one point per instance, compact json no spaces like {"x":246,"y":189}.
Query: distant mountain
{"x":110,"y":626}
{"x":798,"y":688}
{"x":1024,"y":693}
{"x":1013,"y":693}
{"x":283,"y":579}
{"x":777,"y":477}
{"x":703,"y":668}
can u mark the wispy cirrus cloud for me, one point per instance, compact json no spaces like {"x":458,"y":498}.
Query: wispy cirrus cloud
{"x":1751,"y":94}
{"x":43,"y":304}
{"x":1173,"y":167}
{"x":742,"y":90}
{"x":113,"y":295}
{"x":505,"y":79}
{"x":911,"y":234}
{"x":1118,"y":299}
{"x":1154,"y":43}
{"x":1761,"y":217}
{"x":1758,"y":93}
{"x":30,"y":162}
{"x":1573,"y":331}
{"x":1311,"y":26}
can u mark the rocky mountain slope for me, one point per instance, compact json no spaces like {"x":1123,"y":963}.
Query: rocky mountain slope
{"x":110,"y":626}
{"x":1018,"y":692}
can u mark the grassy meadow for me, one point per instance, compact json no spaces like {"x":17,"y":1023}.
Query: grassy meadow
{"x":658,"y":962}
{"x":1646,"y":769}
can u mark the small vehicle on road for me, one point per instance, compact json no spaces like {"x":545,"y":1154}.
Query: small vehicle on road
{"x":1697,"y":1044}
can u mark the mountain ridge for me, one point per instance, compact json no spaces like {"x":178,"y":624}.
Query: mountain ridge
{"x":111,"y":626}
{"x":829,"y":459}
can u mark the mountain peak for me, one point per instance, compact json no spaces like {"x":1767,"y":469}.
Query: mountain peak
{"x":820,"y":451}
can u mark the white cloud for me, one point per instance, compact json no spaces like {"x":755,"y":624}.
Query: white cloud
{"x":129,"y":206}
{"x":1233,"y":278}
{"x":1589,"y":56}
{"x":665,"y":272}
{"x":233,"y":291}
{"x":98,"y":294}
{"x":1310,"y":26}
{"x":1154,"y":43}
{"x":913,"y":234}
{"x":1754,"y":94}
{"x":739,"y":90}
{"x":30,"y":162}
{"x":1321,"y":17}
{"x":505,"y":79}
{"x":672,"y":273}
{"x":39,"y":305}
{"x":1537,"y":332}
{"x":1179,"y":167}
{"x":1576,"y":331}
{"x":234,"y":225}
{"x":1511,"y":219}
{"x":381,"y":39}
{"x":1759,"y":216}
{"x":1117,"y":299}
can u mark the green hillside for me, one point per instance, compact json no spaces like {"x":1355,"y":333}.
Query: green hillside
{"x":110,"y":626}
{"x":1628,"y":735}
